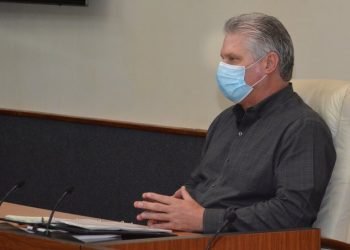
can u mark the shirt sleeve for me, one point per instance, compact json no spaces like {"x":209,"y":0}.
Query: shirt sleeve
{"x":213,"y":218}
{"x":193,"y":179}
{"x":302,"y":169}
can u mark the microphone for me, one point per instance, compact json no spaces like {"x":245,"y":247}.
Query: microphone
{"x":14,"y":188}
{"x":68,"y":191}
{"x":230,"y":216}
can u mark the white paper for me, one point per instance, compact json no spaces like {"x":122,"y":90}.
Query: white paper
{"x":91,"y":224}
{"x":96,"y":238}
{"x":95,"y":224}
{"x":26,"y":219}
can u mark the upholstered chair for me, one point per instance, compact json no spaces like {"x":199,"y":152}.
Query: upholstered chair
{"x":331,"y":99}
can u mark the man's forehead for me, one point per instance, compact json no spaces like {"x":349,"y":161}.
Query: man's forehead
{"x":235,"y":43}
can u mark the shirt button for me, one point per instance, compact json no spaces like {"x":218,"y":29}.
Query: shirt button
{"x":213,"y":185}
{"x":240,"y":133}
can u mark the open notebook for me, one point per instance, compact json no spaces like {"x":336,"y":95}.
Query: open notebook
{"x":90,"y":227}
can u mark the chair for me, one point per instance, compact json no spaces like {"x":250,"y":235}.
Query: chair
{"x":331,"y":99}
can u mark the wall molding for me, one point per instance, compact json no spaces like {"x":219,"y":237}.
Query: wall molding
{"x":105,"y":122}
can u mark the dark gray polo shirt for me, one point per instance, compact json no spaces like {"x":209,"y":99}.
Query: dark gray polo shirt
{"x":271,"y":163}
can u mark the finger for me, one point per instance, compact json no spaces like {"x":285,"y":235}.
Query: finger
{"x":153,"y":216}
{"x":139,"y":217}
{"x":165,"y":199}
{"x":177,"y":194}
{"x":152,"y":206}
{"x":152,"y":222}
{"x":164,"y":225}
{"x":136,"y":204}
{"x":185,"y":194}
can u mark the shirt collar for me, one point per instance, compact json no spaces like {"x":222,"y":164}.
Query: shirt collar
{"x":246,"y":118}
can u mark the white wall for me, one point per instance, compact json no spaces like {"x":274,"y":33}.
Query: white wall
{"x":148,"y":61}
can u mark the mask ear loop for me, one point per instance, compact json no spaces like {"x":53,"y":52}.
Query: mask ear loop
{"x":251,"y":65}
{"x":262,"y":78}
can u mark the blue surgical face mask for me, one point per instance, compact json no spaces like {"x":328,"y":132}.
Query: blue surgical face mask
{"x":231,"y":81}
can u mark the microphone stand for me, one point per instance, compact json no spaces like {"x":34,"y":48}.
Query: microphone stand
{"x":15,"y":187}
{"x":68,"y":191}
{"x":230,"y":216}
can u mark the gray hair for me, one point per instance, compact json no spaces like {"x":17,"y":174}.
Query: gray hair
{"x":265,"y":34}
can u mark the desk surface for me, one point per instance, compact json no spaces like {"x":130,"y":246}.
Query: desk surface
{"x":15,"y":209}
{"x":304,"y":239}
{"x":11,"y":239}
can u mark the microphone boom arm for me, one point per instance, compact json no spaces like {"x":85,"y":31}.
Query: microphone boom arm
{"x":68,"y":191}
{"x":16,"y":186}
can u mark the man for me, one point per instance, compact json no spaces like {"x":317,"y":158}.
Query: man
{"x":268,"y":158}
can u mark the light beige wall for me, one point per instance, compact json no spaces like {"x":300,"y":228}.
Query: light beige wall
{"x":149,"y":61}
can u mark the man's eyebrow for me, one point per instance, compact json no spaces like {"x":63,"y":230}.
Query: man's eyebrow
{"x":230,"y":55}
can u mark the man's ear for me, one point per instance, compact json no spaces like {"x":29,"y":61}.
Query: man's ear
{"x":272,"y":61}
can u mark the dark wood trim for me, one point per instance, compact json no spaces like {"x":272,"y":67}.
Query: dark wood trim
{"x":304,"y":239}
{"x":12,"y":238}
{"x":283,"y":240}
{"x":105,"y":122}
{"x":334,"y":244}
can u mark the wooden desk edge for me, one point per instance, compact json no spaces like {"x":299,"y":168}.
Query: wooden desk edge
{"x":309,"y":237}
{"x":198,"y":241}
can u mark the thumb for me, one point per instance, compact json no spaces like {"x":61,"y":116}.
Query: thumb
{"x":185,"y":194}
{"x":177,"y":194}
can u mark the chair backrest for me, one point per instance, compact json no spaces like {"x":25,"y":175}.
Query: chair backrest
{"x":331,"y":99}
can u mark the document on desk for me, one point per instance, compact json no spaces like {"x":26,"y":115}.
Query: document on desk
{"x":89,"y":226}
{"x":25,"y":219}
{"x":105,"y":225}
{"x":96,"y":238}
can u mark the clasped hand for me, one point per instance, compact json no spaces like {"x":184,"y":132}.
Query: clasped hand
{"x":178,"y":212}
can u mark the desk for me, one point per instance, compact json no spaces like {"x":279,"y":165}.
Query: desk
{"x":10,"y":239}
{"x":15,"y":209}
{"x":308,"y":239}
